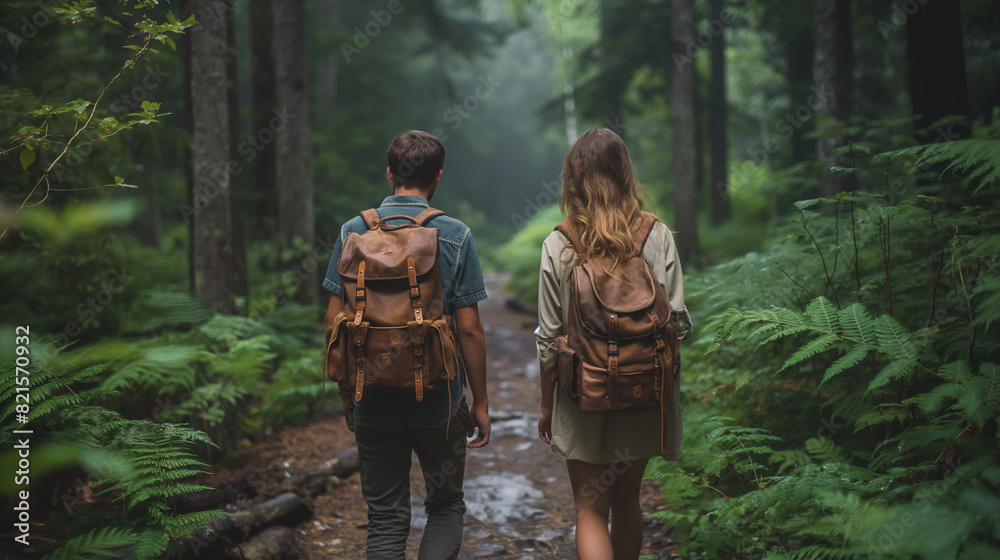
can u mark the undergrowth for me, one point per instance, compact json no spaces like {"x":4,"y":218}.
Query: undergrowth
{"x":846,"y":403}
{"x":142,"y":414}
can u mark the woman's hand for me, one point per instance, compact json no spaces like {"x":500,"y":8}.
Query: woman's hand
{"x":545,"y":426}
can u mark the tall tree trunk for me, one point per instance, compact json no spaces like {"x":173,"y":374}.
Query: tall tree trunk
{"x":218,"y":274}
{"x":611,"y":89}
{"x":264,"y":102}
{"x":326,"y":75}
{"x":717,"y":121}
{"x":294,"y":164}
{"x":238,"y":225}
{"x":832,"y":71}
{"x":799,"y":58}
{"x":938,"y":86}
{"x":699,"y":134}
{"x":682,"y":125}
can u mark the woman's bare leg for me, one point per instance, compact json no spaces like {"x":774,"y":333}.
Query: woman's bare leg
{"x":626,"y":513}
{"x":593,"y":505}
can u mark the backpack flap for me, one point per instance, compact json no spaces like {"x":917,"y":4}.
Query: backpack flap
{"x":385,"y":252}
{"x":598,"y":293}
{"x":631,"y":289}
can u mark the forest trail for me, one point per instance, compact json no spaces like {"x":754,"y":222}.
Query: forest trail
{"x":517,"y":493}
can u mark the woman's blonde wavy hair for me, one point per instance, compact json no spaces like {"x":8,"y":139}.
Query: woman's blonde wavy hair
{"x":601,"y":197}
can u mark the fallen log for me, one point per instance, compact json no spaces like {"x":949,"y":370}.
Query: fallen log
{"x":307,"y":481}
{"x":316,"y":478}
{"x":215,"y":498}
{"x":228,"y":530}
{"x":274,"y":543}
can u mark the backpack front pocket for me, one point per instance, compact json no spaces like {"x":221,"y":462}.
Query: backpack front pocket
{"x":567,"y":368}
{"x":336,"y":350}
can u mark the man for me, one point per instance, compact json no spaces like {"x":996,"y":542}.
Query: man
{"x":389,"y":425}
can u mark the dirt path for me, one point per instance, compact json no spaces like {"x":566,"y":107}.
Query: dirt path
{"x":517,"y":493}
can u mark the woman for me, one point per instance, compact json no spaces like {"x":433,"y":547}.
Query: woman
{"x":606,"y":453}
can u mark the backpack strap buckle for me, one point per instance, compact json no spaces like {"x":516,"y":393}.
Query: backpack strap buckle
{"x":418,"y":337}
{"x":360,"y":333}
{"x":613,"y":361}
{"x":360,"y":295}
{"x":411,"y":272}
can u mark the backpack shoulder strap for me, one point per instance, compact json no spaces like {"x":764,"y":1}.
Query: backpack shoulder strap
{"x":641,"y":229}
{"x":427,"y":215}
{"x":371,"y":217}
{"x":569,"y":230}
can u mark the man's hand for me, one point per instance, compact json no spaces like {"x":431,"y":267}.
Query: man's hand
{"x":479,"y":417}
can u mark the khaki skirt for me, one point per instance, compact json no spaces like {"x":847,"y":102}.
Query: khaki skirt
{"x":607,"y":437}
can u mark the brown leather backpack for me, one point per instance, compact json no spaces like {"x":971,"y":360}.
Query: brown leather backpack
{"x":392,"y":335}
{"x":620,"y":351}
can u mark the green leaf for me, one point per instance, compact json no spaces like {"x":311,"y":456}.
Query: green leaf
{"x":821,"y":344}
{"x":79,"y":105}
{"x":856,"y":323}
{"x":823,"y":315}
{"x":27,"y":158}
{"x":838,"y":169}
{"x":894,"y":338}
{"x":845,"y":362}
{"x":894,"y":370}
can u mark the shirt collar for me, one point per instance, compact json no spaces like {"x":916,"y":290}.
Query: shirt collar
{"x":405,"y":200}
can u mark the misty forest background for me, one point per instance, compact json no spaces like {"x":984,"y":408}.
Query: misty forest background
{"x":175,"y":174}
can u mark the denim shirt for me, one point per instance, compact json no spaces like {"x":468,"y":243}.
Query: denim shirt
{"x":461,"y":285}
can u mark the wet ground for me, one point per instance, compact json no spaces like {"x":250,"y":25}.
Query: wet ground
{"x":517,"y":493}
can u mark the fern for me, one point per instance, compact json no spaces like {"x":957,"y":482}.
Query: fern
{"x":894,"y":370}
{"x":856,"y":324}
{"x":853,"y":357}
{"x":813,"y":347}
{"x":162,"y":310}
{"x":977,"y":159}
{"x":145,"y":464}
{"x":823,"y":315}
{"x":886,"y":392}
{"x":109,"y":542}
{"x":50,"y":392}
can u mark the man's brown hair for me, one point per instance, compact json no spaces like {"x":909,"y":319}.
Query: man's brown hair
{"x":415,"y":157}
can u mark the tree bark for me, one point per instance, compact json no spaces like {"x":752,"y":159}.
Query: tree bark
{"x":264,"y":102}
{"x":938,"y":86}
{"x":832,"y":70}
{"x":218,"y":272}
{"x":294,"y":164}
{"x":273,"y":543}
{"x":682,"y":125}
{"x":313,"y":479}
{"x":611,"y":90}
{"x":308,"y":481}
{"x":238,"y":226}
{"x":800,"y":55}
{"x":717,"y":122}
{"x":227,"y":530}
{"x":326,"y":74}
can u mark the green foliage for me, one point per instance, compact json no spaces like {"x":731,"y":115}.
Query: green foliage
{"x":141,"y":463}
{"x":109,"y":542}
{"x":977,"y":160}
{"x":860,"y":348}
{"x":521,"y":255}
{"x":55,"y":133}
